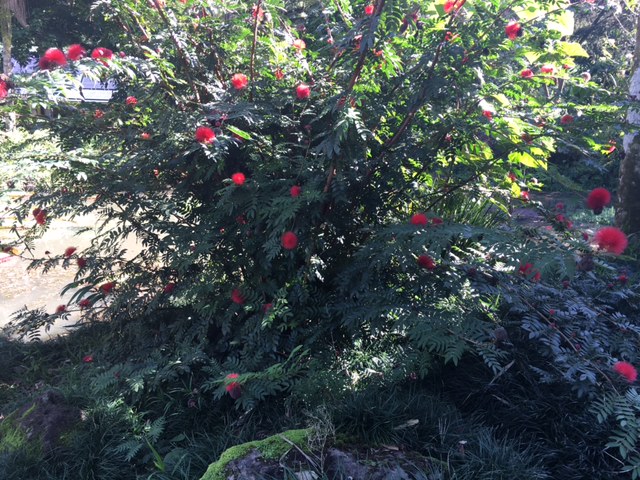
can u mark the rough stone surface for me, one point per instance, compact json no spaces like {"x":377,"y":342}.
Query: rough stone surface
{"x":47,"y":418}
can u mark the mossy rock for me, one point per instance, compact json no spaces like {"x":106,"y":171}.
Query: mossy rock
{"x":270,"y":448}
{"x":38,"y":426}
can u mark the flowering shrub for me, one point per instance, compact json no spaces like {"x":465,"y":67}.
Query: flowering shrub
{"x":432,"y":108}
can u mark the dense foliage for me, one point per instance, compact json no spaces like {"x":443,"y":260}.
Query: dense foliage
{"x":323,"y":196}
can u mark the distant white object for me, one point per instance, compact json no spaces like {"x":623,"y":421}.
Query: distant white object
{"x":89,"y":90}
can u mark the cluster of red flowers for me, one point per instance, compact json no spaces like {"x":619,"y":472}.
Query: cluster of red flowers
{"x":453,"y":5}
{"x":131,"y":101}
{"x":627,"y":370}
{"x":54,"y":57}
{"x":513,"y":30}
{"x":425,"y":261}
{"x":527,"y":269}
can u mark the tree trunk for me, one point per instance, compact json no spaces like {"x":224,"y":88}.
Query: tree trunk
{"x":7,"y":36}
{"x":628,"y":211}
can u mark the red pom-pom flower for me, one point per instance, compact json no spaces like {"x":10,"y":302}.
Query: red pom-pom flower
{"x":233,"y":388}
{"x":627,"y":370}
{"x":205,"y":135}
{"x":239,"y":81}
{"x":76,"y":52}
{"x":289,"y":240}
{"x":54,"y":57}
{"x":611,"y":239}
{"x":598,"y":199}
{"x":513,"y":30}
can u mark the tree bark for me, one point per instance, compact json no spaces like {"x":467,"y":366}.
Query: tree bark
{"x":7,"y":37}
{"x":628,"y":211}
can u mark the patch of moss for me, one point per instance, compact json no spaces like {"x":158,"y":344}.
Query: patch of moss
{"x":271,"y":448}
{"x":13,"y":437}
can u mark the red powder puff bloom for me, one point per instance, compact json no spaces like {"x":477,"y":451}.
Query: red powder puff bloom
{"x":611,"y":239}
{"x":526,"y":73}
{"x":238,"y":178}
{"x":627,"y":370}
{"x":87,"y":358}
{"x":98,"y":114}
{"x":61,"y":309}
{"x":525,"y":269}
{"x":81,"y":262}
{"x":296,"y":190}
{"x":289,"y":240}
{"x":257,"y":12}
{"x":107,"y":287}
{"x":525,"y":196}
{"x":279,"y":74}
{"x":536,"y":277}
{"x":131,"y":100}
{"x":145,"y":136}
{"x":419,"y":219}
{"x":41,"y":217}
{"x":233,"y":389}
{"x":437,"y":221}
{"x":303,"y":91}
{"x":239,"y":81}
{"x":299,"y":44}
{"x":237,"y":297}
{"x":84,"y":303}
{"x":4,"y":91}
{"x":453,"y":6}
{"x":548,"y":69}
{"x":513,"y":30}
{"x":102,"y":53}
{"x":69,"y":251}
{"x":598,"y":199}
{"x":54,"y":57}
{"x":425,"y":261}
{"x":205,"y":135}
{"x":369,"y":9}
{"x":75,"y":52}
{"x":169,"y":288}
{"x":566,"y":119}
{"x":488,"y":115}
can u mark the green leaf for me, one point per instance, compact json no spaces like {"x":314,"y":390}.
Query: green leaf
{"x":527,"y":160}
{"x":572,"y":49}
{"x":240,"y":133}
{"x":564,"y":23}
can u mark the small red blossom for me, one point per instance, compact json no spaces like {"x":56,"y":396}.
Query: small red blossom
{"x":566,"y":119}
{"x":289,"y":240}
{"x":437,"y":221}
{"x":560,"y":218}
{"x":145,"y":136}
{"x":4,"y":89}
{"x":566,"y":284}
{"x":102,"y":53}
{"x":87,"y":358}
{"x":598,"y":199}
{"x":627,"y":370}
{"x":257,"y":12}
{"x":279,"y":74}
{"x":525,"y":196}
{"x":54,"y":57}
{"x":488,"y":114}
{"x":234,"y":389}
{"x":107,"y":287}
{"x":61,"y":309}
{"x":560,"y":206}
{"x":453,"y":5}
{"x":237,"y":297}
{"x":296,"y":190}
{"x":527,"y":73}
{"x":536,"y":277}
{"x":84,"y":303}
{"x":419,"y":219}
{"x":131,"y":100}
{"x":425,"y":261}
{"x":69,"y":251}
{"x":169,"y":288}
{"x":369,"y":9}
{"x":623,"y":279}
{"x":299,"y":44}
{"x":552,"y":312}
{"x":98,"y":114}
{"x":239,"y":81}
{"x":547,"y":69}
{"x":205,"y":135}
{"x":526,"y":138}
{"x":81,"y":262}
{"x":238,"y":178}
{"x":41,"y":217}
{"x":513,"y":30}
{"x":611,"y":239}
{"x":512,"y":176}
{"x":303,"y":91}
{"x":75,"y":52}
{"x":525,"y":269}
